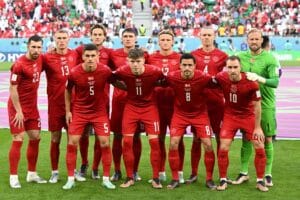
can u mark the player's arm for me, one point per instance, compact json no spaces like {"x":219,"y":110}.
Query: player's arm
{"x":117,"y":82}
{"x":258,"y":133}
{"x":19,"y":117}
{"x":270,"y":82}
{"x":68,"y":98}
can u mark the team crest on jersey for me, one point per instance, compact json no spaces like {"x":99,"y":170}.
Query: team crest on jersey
{"x":252,"y":60}
{"x":215,"y":58}
{"x":104,"y":55}
{"x":174,"y":62}
{"x":233,"y":89}
{"x":70,"y":58}
{"x":138,"y":82}
{"x":187,"y":87}
{"x":164,"y":60}
{"x":90,"y":78}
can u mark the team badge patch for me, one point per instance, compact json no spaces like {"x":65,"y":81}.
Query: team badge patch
{"x":14,"y":77}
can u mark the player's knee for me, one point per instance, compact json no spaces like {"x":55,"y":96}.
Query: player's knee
{"x":18,"y":137}
{"x":268,"y":139}
{"x":174,"y":143}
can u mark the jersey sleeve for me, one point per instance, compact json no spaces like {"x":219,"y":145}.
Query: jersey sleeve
{"x":16,"y":73}
{"x":273,"y":67}
{"x":255,"y":92}
{"x":70,"y":82}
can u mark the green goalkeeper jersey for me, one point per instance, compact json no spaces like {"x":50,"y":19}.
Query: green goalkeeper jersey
{"x":265,"y":65}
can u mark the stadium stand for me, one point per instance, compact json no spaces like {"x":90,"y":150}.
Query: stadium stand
{"x":21,"y":19}
{"x":229,"y":18}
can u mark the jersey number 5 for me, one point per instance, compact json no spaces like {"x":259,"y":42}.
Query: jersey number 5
{"x":92,"y":92}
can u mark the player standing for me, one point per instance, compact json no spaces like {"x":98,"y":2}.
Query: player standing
{"x":119,"y":58}
{"x":260,"y":66}
{"x":242,"y":111}
{"x":168,"y":60}
{"x":88,"y":82}
{"x":98,"y":36}
{"x":57,"y":65}
{"x":190,"y":109}
{"x":23,"y":111}
{"x":140,"y":80}
{"x":210,"y":60}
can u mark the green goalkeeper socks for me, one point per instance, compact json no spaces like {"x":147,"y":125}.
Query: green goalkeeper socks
{"x":269,"y":154}
{"x":246,"y":152}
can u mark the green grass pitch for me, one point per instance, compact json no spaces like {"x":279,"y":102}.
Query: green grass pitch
{"x":285,"y":174}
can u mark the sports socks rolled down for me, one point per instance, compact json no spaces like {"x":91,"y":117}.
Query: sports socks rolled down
{"x":209,"y":161}
{"x":128,"y":155}
{"x":14,"y":156}
{"x":246,"y":152}
{"x":195,"y":156}
{"x":155,"y":156}
{"x":174,"y":163}
{"x":32,"y":154}
{"x":223,"y":163}
{"x":260,"y":163}
{"x":54,"y":155}
{"x":71,"y":156}
{"x":270,"y":155}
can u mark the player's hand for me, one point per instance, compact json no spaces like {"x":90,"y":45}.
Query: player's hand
{"x":68,"y":118}
{"x":19,"y":120}
{"x":259,"y":135}
{"x":254,"y":77}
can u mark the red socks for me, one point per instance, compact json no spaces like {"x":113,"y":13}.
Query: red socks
{"x":137,"y":150}
{"x":32,"y":154}
{"x":181,"y":150}
{"x":260,"y":162}
{"x":174,"y":163}
{"x":195,"y":156}
{"x":155,"y":156}
{"x":14,"y":156}
{"x":106,"y":160}
{"x":54,"y":155}
{"x":117,"y":152}
{"x":209,"y":161}
{"x":97,"y":154}
{"x":71,"y":158}
{"x":163,"y":155}
{"x":84,"y":147}
{"x":128,"y":155}
{"x":223,"y":163}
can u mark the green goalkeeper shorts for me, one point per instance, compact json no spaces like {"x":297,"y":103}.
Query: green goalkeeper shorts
{"x":268,"y":122}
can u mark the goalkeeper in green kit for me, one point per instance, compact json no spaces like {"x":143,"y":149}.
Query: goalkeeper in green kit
{"x":261,"y":66}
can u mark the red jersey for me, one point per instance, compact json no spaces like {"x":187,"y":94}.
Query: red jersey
{"x":89,"y":90}
{"x":169,"y":63}
{"x":190,"y":100}
{"x":238,"y":95}
{"x":57,"y":68}
{"x":119,"y":59}
{"x":104,"y":55}
{"x":26,"y":74}
{"x":212,"y":63}
{"x":140,"y":88}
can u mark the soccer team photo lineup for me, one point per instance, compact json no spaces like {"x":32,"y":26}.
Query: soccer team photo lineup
{"x":188,"y":91}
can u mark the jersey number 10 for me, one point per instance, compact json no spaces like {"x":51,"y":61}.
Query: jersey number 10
{"x":232,"y":97}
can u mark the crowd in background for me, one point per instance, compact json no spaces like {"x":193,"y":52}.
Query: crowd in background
{"x":20,"y":19}
{"x":229,"y":18}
